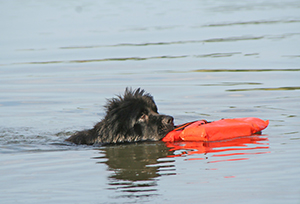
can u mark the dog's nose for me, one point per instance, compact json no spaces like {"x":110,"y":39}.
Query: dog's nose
{"x":168,"y":120}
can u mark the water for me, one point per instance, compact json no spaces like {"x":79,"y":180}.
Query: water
{"x":200,"y":59}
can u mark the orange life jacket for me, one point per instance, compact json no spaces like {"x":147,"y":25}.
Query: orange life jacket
{"x":217,"y":130}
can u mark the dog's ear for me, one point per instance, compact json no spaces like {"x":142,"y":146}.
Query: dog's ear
{"x":109,"y":131}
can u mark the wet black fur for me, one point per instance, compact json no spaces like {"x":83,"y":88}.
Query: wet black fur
{"x":129,"y":118}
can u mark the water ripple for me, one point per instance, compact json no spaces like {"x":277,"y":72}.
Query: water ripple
{"x":226,"y":39}
{"x":291,"y":88}
{"x":131,"y":58}
{"x":246,"y":70}
{"x":252,"y":23}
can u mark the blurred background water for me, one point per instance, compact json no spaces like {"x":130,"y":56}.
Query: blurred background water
{"x":60,"y":60}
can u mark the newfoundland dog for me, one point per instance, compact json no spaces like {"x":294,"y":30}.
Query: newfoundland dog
{"x":132,"y":117}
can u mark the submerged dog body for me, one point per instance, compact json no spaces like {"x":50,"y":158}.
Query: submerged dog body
{"x":131,"y":118}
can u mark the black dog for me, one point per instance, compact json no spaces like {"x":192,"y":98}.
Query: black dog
{"x":131,"y":118}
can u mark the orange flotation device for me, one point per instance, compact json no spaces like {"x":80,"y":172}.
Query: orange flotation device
{"x":217,"y":130}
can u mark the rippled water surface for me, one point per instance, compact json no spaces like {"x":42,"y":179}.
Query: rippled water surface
{"x":60,"y":60}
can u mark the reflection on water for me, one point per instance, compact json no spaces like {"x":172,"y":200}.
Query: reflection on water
{"x":130,"y":161}
{"x":136,"y":167}
{"x":239,"y":146}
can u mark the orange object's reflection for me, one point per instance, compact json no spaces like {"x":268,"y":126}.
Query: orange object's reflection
{"x":235,"y":147}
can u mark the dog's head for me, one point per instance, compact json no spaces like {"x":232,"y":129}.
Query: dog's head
{"x":134,"y":117}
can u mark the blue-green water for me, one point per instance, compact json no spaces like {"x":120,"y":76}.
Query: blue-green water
{"x":60,"y":60}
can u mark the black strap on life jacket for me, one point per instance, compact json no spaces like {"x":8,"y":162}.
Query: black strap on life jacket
{"x":181,"y":127}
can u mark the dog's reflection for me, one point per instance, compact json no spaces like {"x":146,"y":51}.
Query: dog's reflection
{"x":138,"y":161}
{"x":136,"y":165}
{"x":144,"y":161}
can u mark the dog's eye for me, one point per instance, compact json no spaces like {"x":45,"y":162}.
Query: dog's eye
{"x":143,"y":117}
